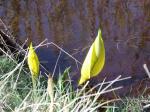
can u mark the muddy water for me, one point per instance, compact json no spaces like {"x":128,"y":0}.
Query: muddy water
{"x":73,"y":25}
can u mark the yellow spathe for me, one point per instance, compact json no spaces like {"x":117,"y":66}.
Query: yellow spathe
{"x":33,"y":63}
{"x":94,"y":60}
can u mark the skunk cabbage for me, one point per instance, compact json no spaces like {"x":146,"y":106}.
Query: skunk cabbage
{"x":33,"y":63}
{"x":94,"y":60}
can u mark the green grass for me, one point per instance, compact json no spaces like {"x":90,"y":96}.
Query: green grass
{"x":17,"y":95}
{"x":140,"y":104}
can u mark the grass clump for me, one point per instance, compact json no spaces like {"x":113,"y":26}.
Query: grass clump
{"x":16,"y":92}
{"x":139,"y":104}
{"x":131,"y":104}
{"x":14,"y":84}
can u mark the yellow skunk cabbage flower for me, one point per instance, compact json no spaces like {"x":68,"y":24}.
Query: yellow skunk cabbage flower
{"x":33,"y":63}
{"x":94,"y":60}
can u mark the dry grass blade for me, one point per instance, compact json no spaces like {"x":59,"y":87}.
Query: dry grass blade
{"x":146,"y":106}
{"x":50,"y":90}
{"x":146,"y":70}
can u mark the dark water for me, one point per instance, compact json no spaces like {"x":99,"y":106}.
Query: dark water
{"x":73,"y":25}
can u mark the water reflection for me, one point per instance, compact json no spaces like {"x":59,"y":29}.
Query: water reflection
{"x":72,"y":24}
